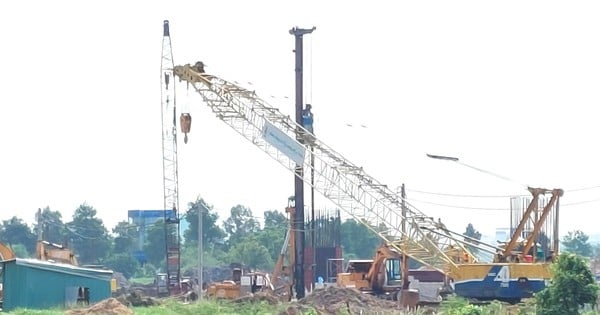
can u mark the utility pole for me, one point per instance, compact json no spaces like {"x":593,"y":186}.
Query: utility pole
{"x":200,"y":251}
{"x":404,"y":258}
{"x":298,"y":178}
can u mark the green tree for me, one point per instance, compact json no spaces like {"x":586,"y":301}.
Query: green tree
{"x":155,"y":246}
{"x":52,"y":226}
{"x":272,"y":236}
{"x":359,"y":240}
{"x":240,"y":224}
{"x":90,"y":239}
{"x":125,"y":235}
{"x":15,"y":231}
{"x":251,"y":254}
{"x":211,"y":232}
{"x":576,"y":242}
{"x":276,"y":220}
{"x":572,"y":286}
{"x":124,"y":263}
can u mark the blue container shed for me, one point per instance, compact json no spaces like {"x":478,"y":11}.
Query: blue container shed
{"x":36,"y":284}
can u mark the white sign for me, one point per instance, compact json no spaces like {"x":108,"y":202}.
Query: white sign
{"x":284,"y":143}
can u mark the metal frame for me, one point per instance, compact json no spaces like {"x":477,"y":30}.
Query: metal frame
{"x":343,"y":183}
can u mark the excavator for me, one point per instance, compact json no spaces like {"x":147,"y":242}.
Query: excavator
{"x":55,"y":252}
{"x":387,"y":276}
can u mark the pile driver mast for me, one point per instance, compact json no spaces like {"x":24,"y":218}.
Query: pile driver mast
{"x":170,"y":176}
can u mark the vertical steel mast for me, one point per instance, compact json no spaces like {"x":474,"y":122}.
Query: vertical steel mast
{"x":169,"y":146}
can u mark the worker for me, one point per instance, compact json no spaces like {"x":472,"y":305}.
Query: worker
{"x":307,"y":118}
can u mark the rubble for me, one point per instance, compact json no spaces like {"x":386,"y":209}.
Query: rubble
{"x":110,"y":306}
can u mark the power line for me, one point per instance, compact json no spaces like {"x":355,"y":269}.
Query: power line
{"x":496,"y":209}
{"x":460,"y":195}
{"x":489,"y":196}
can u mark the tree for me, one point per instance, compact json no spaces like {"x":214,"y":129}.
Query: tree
{"x":124,"y":263}
{"x":474,"y":234}
{"x":211,"y":232}
{"x":251,"y":254}
{"x":576,"y":242}
{"x":272,"y":236}
{"x":240,"y":224}
{"x":276,"y":220}
{"x":357,"y":239}
{"x":52,"y":227}
{"x":15,"y":231}
{"x":155,"y":243}
{"x":572,"y":286}
{"x":90,"y":238}
{"x":125,"y":235}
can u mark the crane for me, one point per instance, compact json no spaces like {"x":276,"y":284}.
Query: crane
{"x":399,"y":224}
{"x":170,"y":168}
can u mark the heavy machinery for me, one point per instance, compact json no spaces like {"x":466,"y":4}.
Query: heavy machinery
{"x":55,"y":252}
{"x":170,"y":164}
{"x":386,"y":276}
{"x":399,"y":224}
{"x":241,"y":284}
{"x":282,"y":277}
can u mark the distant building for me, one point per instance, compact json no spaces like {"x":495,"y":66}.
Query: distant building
{"x":142,"y":219}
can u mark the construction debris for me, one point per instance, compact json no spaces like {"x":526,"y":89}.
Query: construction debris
{"x":110,"y":306}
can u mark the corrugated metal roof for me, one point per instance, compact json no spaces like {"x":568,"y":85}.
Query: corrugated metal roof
{"x":64,"y":268}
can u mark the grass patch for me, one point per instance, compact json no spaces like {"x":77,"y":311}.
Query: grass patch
{"x":142,"y":280}
{"x":209,"y":307}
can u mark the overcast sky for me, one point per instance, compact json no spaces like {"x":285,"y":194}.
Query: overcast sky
{"x":510,"y":87}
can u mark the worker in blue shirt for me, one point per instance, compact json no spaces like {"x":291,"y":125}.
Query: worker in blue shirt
{"x":307,"y":118}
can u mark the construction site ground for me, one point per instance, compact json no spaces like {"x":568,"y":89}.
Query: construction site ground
{"x":330,"y":300}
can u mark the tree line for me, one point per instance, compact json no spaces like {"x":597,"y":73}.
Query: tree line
{"x":240,"y":238}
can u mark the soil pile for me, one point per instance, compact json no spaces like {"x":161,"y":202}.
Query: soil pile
{"x":137,"y":298}
{"x":109,"y":306}
{"x":258,"y":298}
{"x":335,"y":300}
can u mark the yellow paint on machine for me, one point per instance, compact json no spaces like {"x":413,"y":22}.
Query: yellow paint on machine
{"x":464,"y":272}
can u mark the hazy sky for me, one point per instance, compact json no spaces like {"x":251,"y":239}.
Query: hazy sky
{"x":510,"y":87}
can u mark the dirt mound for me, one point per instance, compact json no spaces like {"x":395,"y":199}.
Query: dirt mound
{"x":333,"y":300}
{"x":109,"y":306}
{"x":257,"y":298}
{"x":137,"y":298}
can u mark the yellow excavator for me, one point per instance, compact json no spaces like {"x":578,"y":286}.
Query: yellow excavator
{"x":55,"y":252}
{"x":387,"y":276}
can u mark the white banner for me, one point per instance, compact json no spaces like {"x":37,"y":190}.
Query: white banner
{"x":284,"y":143}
